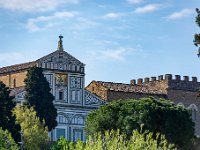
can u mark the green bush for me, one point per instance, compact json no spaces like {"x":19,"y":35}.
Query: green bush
{"x":6,"y":141}
{"x":158,"y":116}
{"x":115,"y":141}
{"x":34,"y":133}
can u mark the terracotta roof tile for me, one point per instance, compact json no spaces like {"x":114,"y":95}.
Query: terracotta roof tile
{"x":128,"y":87}
{"x":17,"y":67}
{"x":17,"y":90}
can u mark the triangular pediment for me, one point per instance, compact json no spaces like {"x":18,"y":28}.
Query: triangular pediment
{"x":60,"y":57}
{"x":60,"y":60}
{"x":93,"y":100}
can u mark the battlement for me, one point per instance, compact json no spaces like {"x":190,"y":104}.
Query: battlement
{"x":168,"y":81}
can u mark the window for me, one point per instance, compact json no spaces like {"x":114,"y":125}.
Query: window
{"x":79,"y":98}
{"x":78,"y":134}
{"x":59,"y":133}
{"x":61,"y":95}
{"x":194,"y":110}
{"x":61,"y":119}
{"x":48,"y":65}
{"x":180,"y":105}
{"x":79,"y":120}
{"x":14,"y":83}
{"x":73,"y":95}
{"x":92,"y":88}
{"x":194,"y":115}
{"x":82,"y":69}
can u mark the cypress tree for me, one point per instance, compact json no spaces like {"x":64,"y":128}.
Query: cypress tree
{"x":38,"y":95}
{"x":7,"y":120}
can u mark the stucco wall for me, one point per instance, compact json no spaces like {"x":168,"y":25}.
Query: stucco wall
{"x":18,"y":77}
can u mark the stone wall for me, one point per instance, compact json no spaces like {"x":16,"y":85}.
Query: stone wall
{"x":159,"y":84}
{"x":116,"y":95}
{"x":164,"y":82}
{"x":15,"y":79}
{"x":97,"y":89}
{"x":187,"y":99}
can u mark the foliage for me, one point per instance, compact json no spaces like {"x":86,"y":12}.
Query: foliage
{"x":7,"y":121}
{"x":197,"y":36}
{"x":115,"y":141}
{"x":34,"y":133}
{"x":6,"y":141}
{"x":158,"y":116}
{"x":38,"y":95}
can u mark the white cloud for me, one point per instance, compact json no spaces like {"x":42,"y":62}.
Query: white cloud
{"x":32,"y":23}
{"x":134,"y":1}
{"x":84,"y":23}
{"x":16,"y":57}
{"x":147,"y":8}
{"x":113,"y":15}
{"x":34,"y":5}
{"x":181,"y":14}
{"x":111,"y":54}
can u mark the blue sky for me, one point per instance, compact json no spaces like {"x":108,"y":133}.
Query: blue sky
{"x":118,"y":40}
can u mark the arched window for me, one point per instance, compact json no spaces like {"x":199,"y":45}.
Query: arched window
{"x":194,"y":110}
{"x":180,"y":105}
{"x":78,"y":119}
{"x":62,"y":119}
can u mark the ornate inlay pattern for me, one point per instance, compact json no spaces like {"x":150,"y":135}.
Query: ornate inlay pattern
{"x":75,"y":82}
{"x":91,"y":99}
{"x":61,"y":79}
{"x":59,"y":60}
{"x":20,"y":96}
{"x":49,"y":79}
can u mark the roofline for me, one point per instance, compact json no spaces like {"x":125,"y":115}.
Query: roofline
{"x":10,"y":70}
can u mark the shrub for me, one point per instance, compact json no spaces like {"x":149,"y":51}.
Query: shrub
{"x":158,"y":116}
{"x":6,"y":141}
{"x":115,"y":141}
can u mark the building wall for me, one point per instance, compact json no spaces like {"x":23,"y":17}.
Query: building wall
{"x":187,"y":99}
{"x":98,"y":90}
{"x":116,"y":95}
{"x":181,"y":91}
{"x":153,"y":83}
{"x":5,"y":79}
{"x":14,"y":79}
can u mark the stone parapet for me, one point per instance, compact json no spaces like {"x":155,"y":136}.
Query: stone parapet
{"x":164,"y":82}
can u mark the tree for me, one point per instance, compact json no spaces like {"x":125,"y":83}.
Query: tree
{"x":38,"y":95}
{"x":34,"y":133}
{"x":7,"y":121}
{"x":114,"y":141}
{"x":197,"y":36}
{"x":158,"y":116}
{"x":6,"y":141}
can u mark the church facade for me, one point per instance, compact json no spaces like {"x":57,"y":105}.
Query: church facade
{"x":66,"y":77}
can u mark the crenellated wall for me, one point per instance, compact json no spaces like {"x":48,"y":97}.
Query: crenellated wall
{"x":166,"y":82}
